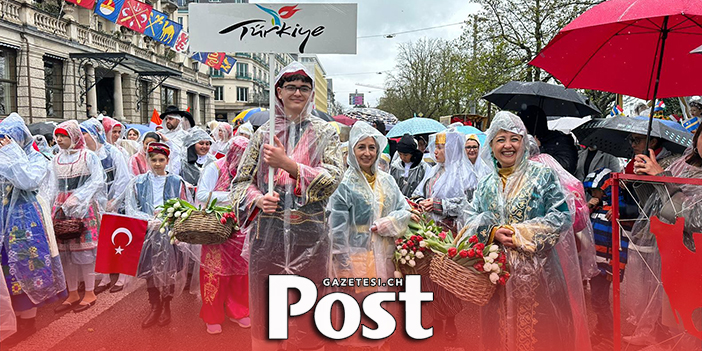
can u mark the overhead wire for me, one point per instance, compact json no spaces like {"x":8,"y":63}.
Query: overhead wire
{"x":392,"y":35}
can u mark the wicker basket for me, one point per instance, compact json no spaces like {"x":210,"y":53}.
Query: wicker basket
{"x":461,"y":281}
{"x":422,"y":266}
{"x":67,"y":228}
{"x":203,"y":229}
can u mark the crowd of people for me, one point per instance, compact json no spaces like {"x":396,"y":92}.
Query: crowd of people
{"x":336,"y":209}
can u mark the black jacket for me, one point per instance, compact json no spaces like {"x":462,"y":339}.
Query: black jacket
{"x":562,"y":148}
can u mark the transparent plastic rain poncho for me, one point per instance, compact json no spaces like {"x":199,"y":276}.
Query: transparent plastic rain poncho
{"x":221,"y":144}
{"x":579,"y":211}
{"x":177,"y":135}
{"x":113,"y":162}
{"x":29,"y":254}
{"x":645,"y":303}
{"x":43,"y":146}
{"x":356,"y":206}
{"x":481,"y":167}
{"x":537,"y":307}
{"x":109,"y":124}
{"x":215,"y":183}
{"x":138,"y":163}
{"x":78,"y":188}
{"x":191,"y":163}
{"x":294,"y":239}
{"x":8,"y":321}
{"x":162,"y":264}
{"x":448,"y":182}
{"x":410,"y":179}
{"x":245,"y":130}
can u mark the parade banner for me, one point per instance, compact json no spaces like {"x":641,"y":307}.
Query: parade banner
{"x":109,"y":9}
{"x":182,"y":44}
{"x":227,"y":64}
{"x":162,"y":29}
{"x":281,"y":28}
{"x":119,"y":245}
{"x":135,"y":15}
{"x":88,"y":4}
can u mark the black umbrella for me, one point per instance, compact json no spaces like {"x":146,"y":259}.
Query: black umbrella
{"x":610,"y":134}
{"x":42,"y":128}
{"x":322,"y":115}
{"x":555,"y":100}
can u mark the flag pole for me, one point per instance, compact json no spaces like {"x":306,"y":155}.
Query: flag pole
{"x":271,"y":114}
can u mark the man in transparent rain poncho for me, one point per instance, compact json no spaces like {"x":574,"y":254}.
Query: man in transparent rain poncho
{"x":522,"y":207}
{"x":288,"y":232}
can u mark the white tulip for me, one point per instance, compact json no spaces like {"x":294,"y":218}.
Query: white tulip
{"x":403,"y":261}
{"x":488,"y":259}
{"x":403,"y":252}
{"x":420,"y":255}
{"x":493,"y":255}
{"x":494,"y":248}
{"x":412,"y":263}
{"x":162,"y":230}
{"x":494,"y":278}
{"x":176,"y":205}
{"x":408,"y":258}
{"x":170,"y":210}
{"x":487,"y":267}
{"x":170,"y":214}
{"x":177,"y":214}
{"x":422,"y":243}
{"x":399,"y":247}
{"x":398,"y":274}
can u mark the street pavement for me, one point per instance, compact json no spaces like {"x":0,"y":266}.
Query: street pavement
{"x":114,"y":323}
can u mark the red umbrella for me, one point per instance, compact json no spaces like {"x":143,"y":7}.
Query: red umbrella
{"x":345,"y":120}
{"x":639,"y":48}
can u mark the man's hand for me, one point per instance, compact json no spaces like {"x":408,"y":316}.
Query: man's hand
{"x":268,"y":203}
{"x":504,"y":236}
{"x":647,"y":165}
{"x":276,"y":157}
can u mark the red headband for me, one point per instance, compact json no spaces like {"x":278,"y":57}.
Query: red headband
{"x":61,"y":131}
{"x":159,"y":148}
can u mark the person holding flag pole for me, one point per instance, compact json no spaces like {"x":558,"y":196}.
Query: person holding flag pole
{"x":287,"y":230}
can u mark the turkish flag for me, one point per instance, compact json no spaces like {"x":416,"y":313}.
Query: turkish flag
{"x":119,"y":244}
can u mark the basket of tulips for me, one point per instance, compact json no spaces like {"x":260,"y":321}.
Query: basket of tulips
{"x":195,"y":225}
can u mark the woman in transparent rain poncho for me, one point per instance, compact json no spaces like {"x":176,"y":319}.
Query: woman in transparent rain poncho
{"x":133,"y":134}
{"x":197,"y":156}
{"x":289,"y":230}
{"x":113,"y":134}
{"x":43,"y":146}
{"x":443,"y":193}
{"x":161,"y":263}
{"x":224,"y":274}
{"x":644,"y":301}
{"x":222,"y":135}
{"x":117,"y":176}
{"x":368,"y":212}
{"x":475,"y":163}
{"x":407,"y":167}
{"x":30,"y":261}
{"x":522,"y":207}
{"x":77,"y":190}
{"x":245,"y":130}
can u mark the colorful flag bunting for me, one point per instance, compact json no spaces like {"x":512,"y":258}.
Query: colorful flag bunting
{"x":162,"y":29}
{"x":616,"y":111}
{"x":182,"y":43}
{"x":227,"y":64}
{"x":109,"y":9}
{"x":135,"y":15}
{"x":88,"y":4}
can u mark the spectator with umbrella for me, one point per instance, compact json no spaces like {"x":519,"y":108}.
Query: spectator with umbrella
{"x":407,"y":166}
{"x":555,"y":143}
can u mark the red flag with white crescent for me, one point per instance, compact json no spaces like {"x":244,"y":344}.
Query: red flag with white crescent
{"x":119,"y":245}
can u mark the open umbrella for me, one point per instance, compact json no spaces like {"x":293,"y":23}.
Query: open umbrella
{"x":639,"y":48}
{"x":468,"y":130}
{"x":42,"y":128}
{"x":371,"y":114}
{"x":555,"y":100}
{"x":697,"y":51}
{"x":566,"y":124}
{"x":610,"y":134}
{"x":323,"y":115}
{"x":140,"y":127}
{"x":345,"y":120}
{"x":246,"y":114}
{"x":414,"y":126}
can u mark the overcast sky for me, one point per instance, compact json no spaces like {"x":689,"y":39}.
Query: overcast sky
{"x":378,"y":54}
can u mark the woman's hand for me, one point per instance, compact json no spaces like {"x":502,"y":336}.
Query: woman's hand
{"x":427,"y":205}
{"x":268,"y":203}
{"x":647,"y":165}
{"x":504,"y":236}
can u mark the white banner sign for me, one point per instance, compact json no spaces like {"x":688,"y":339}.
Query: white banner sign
{"x":281,"y":28}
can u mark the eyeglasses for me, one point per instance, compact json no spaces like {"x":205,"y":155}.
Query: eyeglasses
{"x":471,"y":147}
{"x":303,"y":89}
{"x":635,"y":140}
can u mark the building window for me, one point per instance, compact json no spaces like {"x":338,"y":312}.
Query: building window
{"x":53,"y":79}
{"x":216,"y":72}
{"x":203,"y":109}
{"x":219,"y":93}
{"x":180,"y":20}
{"x":8,"y":81}
{"x":242,"y":94}
{"x":144,"y":87}
{"x":242,"y":70}
{"x":191,"y":102}
{"x":169,"y":96}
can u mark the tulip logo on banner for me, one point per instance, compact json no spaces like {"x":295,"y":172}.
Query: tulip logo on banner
{"x":681,"y":284}
{"x":162,"y":29}
{"x":88,"y":4}
{"x":279,"y":28}
{"x":119,"y":245}
{"x":109,"y":9}
{"x":135,"y":15}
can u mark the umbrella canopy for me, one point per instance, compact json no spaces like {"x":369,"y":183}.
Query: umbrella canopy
{"x":246,"y":114}
{"x":323,"y":115}
{"x":610,"y":134}
{"x":566,"y":124}
{"x":371,"y":114}
{"x":42,"y":128}
{"x":345,"y":120}
{"x":619,"y":46}
{"x":414,"y":126}
{"x":468,"y":130}
{"x":555,"y":100}
{"x":140,"y":127}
